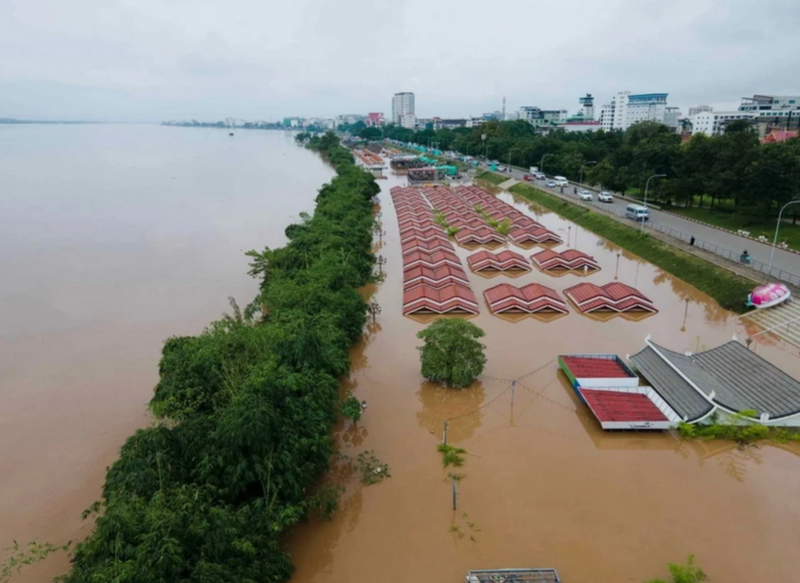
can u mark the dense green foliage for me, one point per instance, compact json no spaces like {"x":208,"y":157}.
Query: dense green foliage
{"x":741,"y":428}
{"x":451,"y":353}
{"x":728,"y":289}
{"x":688,"y":573}
{"x":244,"y":413}
{"x":756,"y":178}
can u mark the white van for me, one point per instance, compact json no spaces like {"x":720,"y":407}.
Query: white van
{"x":637,"y":212}
{"x":561,"y":181}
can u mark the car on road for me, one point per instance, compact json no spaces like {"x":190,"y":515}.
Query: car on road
{"x":585,"y":195}
{"x":550,"y":184}
{"x":527,"y":178}
{"x":605,"y":197}
{"x":539,"y":176}
{"x":637,"y":212}
{"x":501,"y":168}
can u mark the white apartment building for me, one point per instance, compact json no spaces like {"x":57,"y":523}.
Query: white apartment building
{"x":712,"y":123}
{"x":626,"y":110}
{"x":402,"y":104}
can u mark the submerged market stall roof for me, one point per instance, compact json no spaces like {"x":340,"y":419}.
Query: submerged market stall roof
{"x":729,"y":377}
{"x":513,"y":575}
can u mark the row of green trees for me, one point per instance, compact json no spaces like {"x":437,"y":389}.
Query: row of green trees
{"x":756,"y":178}
{"x":244,"y":412}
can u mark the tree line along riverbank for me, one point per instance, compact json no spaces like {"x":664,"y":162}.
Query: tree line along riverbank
{"x":244,"y":413}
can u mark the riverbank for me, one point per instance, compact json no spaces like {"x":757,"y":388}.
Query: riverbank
{"x":728,"y":289}
{"x":244,"y":412}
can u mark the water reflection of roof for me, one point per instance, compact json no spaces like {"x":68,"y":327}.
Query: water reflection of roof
{"x":729,"y":376}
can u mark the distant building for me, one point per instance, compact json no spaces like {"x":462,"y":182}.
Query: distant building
{"x":494,"y":115}
{"x":475,"y":122}
{"x":581,"y":126}
{"x":587,"y":107}
{"x":699,"y":109}
{"x":374,"y":119}
{"x":773,"y":112}
{"x":542,"y":117}
{"x":445,"y":124}
{"x":350,"y":119}
{"x":776,"y":136}
{"x":672,"y":116}
{"x":408,"y":120}
{"x":712,"y":123}
{"x":402,"y":105}
{"x":512,"y":116}
{"x":626,"y":110}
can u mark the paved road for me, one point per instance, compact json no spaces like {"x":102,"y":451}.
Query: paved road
{"x":720,"y":242}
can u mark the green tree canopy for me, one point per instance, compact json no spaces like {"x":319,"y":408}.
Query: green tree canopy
{"x":451,"y":353}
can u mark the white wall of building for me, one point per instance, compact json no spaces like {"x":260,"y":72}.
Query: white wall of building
{"x":712,"y":123}
{"x":408,"y":120}
{"x":627,"y":109}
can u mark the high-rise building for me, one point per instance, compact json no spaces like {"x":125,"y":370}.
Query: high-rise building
{"x":402,"y":105}
{"x":626,"y":109}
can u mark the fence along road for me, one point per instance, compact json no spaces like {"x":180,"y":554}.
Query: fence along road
{"x":785,"y":266}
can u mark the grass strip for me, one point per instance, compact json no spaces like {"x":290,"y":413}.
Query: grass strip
{"x":728,"y":289}
{"x":491,"y":177}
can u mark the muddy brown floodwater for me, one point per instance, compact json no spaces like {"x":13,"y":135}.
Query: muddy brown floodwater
{"x":112,"y":239}
{"x":544,"y":485}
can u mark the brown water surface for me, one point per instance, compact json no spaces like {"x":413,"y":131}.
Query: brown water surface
{"x":112,"y":239}
{"x":544,"y":485}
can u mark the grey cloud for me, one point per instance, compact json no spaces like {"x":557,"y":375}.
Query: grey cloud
{"x":147,"y":60}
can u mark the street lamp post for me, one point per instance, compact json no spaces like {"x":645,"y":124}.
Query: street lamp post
{"x":646,"y":187}
{"x":582,"y":167}
{"x":778,"y":226}
{"x":509,"y":159}
{"x":541,"y":164}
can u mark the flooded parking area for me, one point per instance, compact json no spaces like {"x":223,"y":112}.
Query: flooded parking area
{"x":543,"y":485}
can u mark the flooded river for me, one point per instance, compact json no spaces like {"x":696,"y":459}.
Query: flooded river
{"x":543,"y":485}
{"x":113,"y":238}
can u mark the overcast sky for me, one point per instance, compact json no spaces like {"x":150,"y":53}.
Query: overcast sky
{"x":151,"y":60}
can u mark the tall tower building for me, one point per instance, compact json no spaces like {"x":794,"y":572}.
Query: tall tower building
{"x":402,"y":106}
{"x":587,"y":107}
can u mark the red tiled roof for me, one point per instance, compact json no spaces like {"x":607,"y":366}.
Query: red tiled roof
{"x":594,"y":368}
{"x":614,"y":296}
{"x":610,"y":406}
{"x":569,"y":259}
{"x":530,"y":298}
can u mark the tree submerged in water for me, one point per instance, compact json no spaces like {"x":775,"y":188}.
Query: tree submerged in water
{"x":451,"y":353}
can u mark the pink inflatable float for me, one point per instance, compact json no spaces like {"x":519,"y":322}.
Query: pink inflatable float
{"x":768,"y":295}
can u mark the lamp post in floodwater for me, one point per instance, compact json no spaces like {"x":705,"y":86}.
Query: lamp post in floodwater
{"x":778,"y":226}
